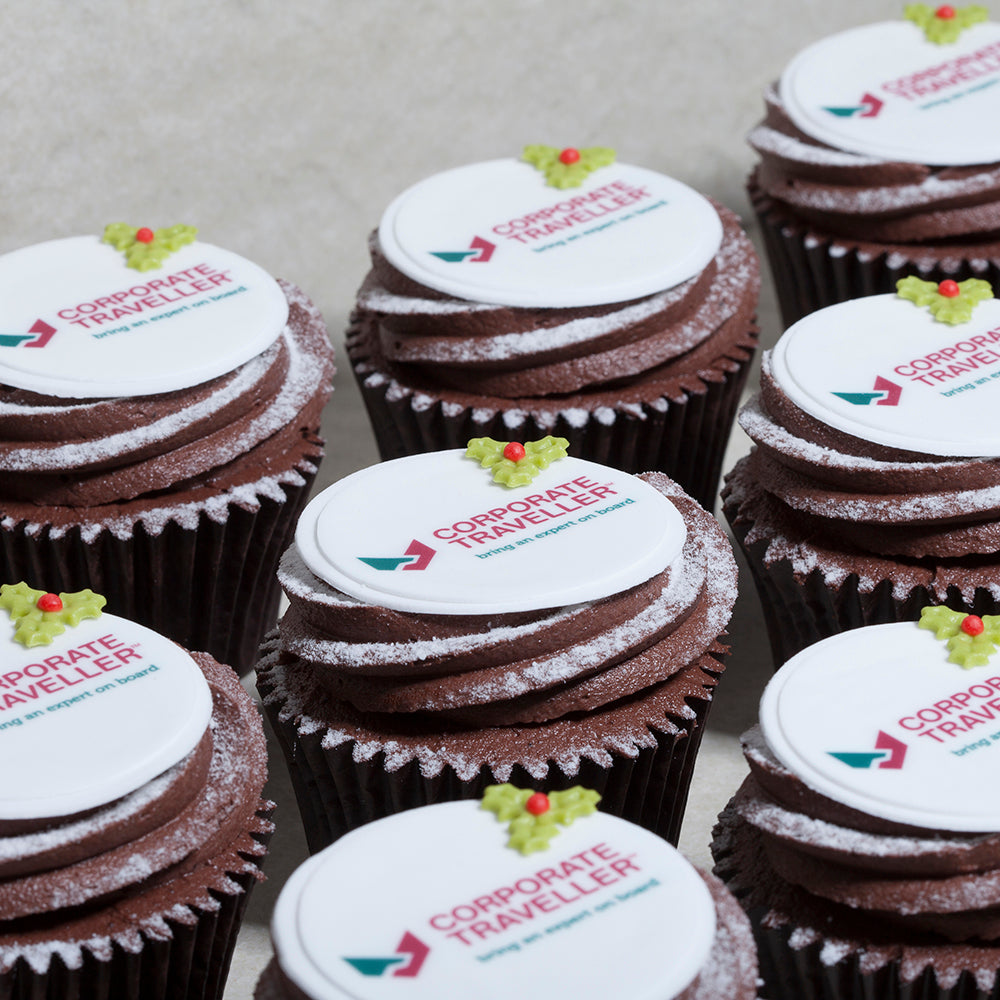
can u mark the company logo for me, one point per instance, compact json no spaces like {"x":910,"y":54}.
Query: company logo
{"x":479,"y":252}
{"x":869,"y":107}
{"x":410,"y":945}
{"x":417,"y":556}
{"x":889,"y":752}
{"x":886,"y":393}
{"x":38,"y":335}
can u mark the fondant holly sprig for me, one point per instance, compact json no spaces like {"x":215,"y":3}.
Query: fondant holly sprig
{"x":945,"y":24}
{"x":516,"y":464}
{"x":949,"y":301}
{"x":39,"y":616}
{"x":534,"y":818}
{"x":971,"y":639}
{"x":569,"y":167}
{"x":144,"y":249}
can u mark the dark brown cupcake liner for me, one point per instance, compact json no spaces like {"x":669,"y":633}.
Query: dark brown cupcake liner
{"x":809,"y":958}
{"x":184,"y":954}
{"x":337,"y":791}
{"x":812,"y":270}
{"x":800,"y":609}
{"x":684,"y":436}
{"x":209,"y":587}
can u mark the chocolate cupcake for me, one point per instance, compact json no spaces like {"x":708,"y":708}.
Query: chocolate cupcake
{"x":131,"y":821}
{"x":586,"y":905}
{"x":861,"y":844}
{"x":159,"y":429}
{"x":446,"y":633}
{"x":874,"y":485}
{"x":879,"y":160}
{"x":618,"y":314}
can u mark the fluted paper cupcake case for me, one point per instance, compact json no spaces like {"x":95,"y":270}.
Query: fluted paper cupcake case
{"x":201,"y":573}
{"x":181,"y":953}
{"x":683,"y":435}
{"x":341,"y":785}
{"x":811,"y":269}
{"x":800,"y":608}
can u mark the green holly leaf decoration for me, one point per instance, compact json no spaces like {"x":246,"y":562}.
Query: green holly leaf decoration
{"x":950,"y":302}
{"x":971,"y":639}
{"x":567,"y":168}
{"x":38,"y":627}
{"x":534,"y":818}
{"x":144,"y":249}
{"x":943,"y":25}
{"x":508,"y":469}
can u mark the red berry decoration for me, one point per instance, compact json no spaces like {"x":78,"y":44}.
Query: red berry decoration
{"x":514,"y":451}
{"x":949,"y":289}
{"x":144,"y":235}
{"x":973,"y":625}
{"x":945,"y":12}
{"x":50,"y":602}
{"x":537,"y":804}
{"x":569,"y":155}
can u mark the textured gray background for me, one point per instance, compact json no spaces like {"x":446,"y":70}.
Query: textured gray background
{"x":283,"y":129}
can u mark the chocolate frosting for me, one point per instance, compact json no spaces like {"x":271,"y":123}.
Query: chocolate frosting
{"x":101,"y":460}
{"x":876,"y":873}
{"x":508,"y":689}
{"x":475,"y":354}
{"x":824,"y":500}
{"x":865,"y":198}
{"x":107,"y":874}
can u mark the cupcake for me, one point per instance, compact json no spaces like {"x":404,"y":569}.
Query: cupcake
{"x":518,"y":895}
{"x":874,"y":485}
{"x":862,"y":844}
{"x":879,"y":159}
{"x":560,"y":294}
{"x":159,"y":409}
{"x":131,"y":822}
{"x":446,"y":633}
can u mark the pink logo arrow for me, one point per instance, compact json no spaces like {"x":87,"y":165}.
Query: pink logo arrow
{"x":424,"y":554}
{"x":485,"y":249}
{"x":874,"y":106}
{"x":44,"y":331}
{"x":411,"y":945}
{"x":892,"y":391}
{"x":896,"y":748}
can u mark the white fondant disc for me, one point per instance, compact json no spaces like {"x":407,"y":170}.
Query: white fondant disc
{"x":496,"y":232}
{"x":883,"y":90}
{"x":77,"y":322}
{"x":106,"y":707}
{"x":878,"y":719}
{"x":433,"y":533}
{"x":883,"y":369}
{"x":430,"y":903}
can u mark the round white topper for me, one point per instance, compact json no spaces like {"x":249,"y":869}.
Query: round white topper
{"x":433,"y":533}
{"x":497,"y":232}
{"x":884,"y":90}
{"x":77,"y":322}
{"x":878,"y":719}
{"x":106,"y":707}
{"x":883,"y":369}
{"x":431,"y":903}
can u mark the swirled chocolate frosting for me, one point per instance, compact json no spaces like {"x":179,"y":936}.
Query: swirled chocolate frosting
{"x":877,"y":874}
{"x":464,"y":689}
{"x":71,"y":886}
{"x":869,"y":199}
{"x":110,"y":461}
{"x":825,"y":500}
{"x":473,"y":353}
